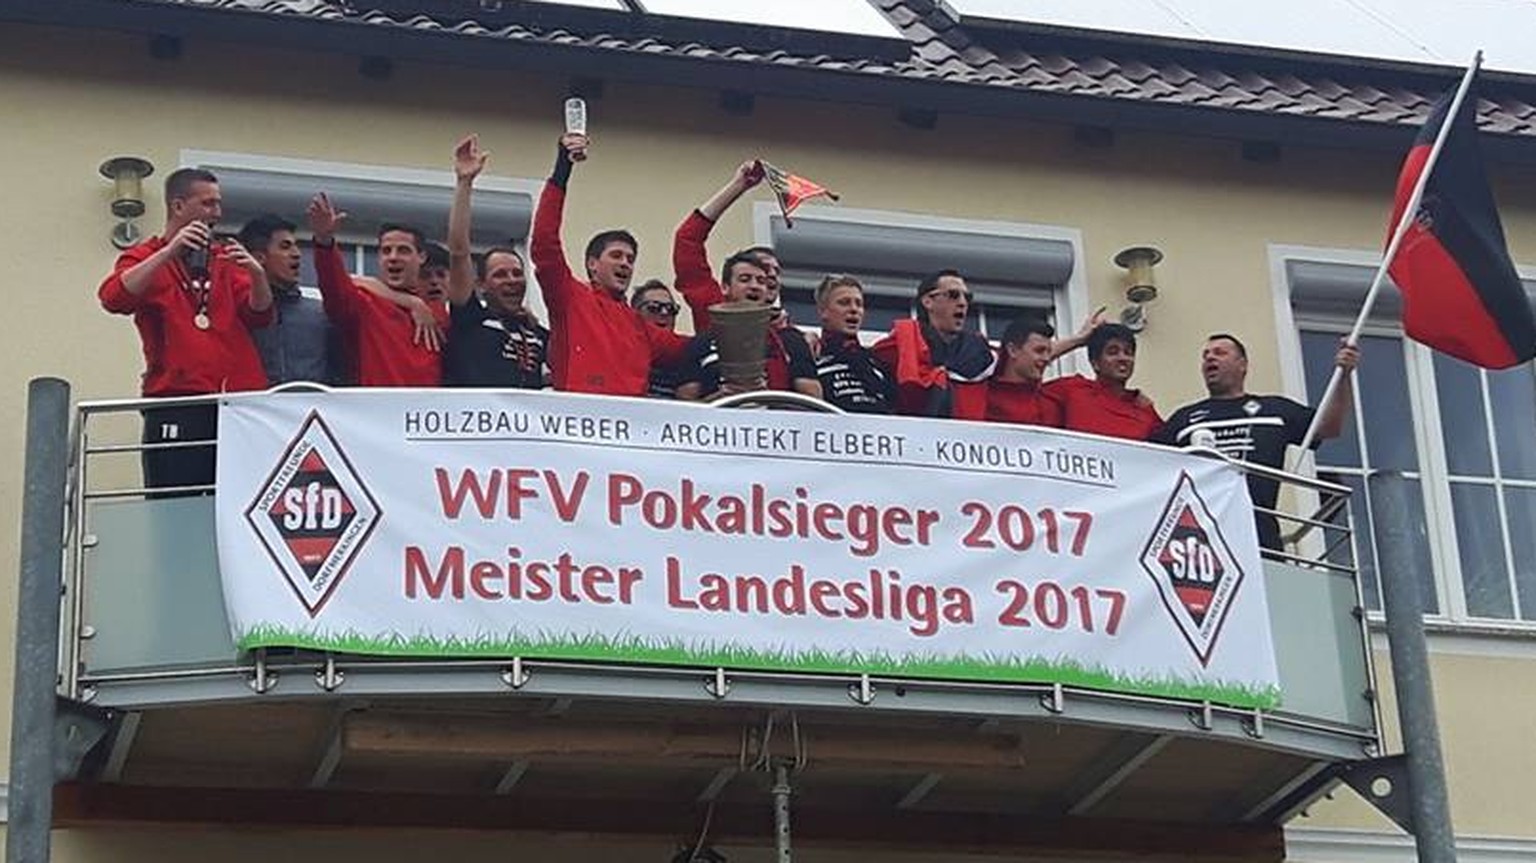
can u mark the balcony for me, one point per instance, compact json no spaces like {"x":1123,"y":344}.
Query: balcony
{"x":202,"y":731}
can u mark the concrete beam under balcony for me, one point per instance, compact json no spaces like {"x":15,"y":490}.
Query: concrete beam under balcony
{"x":733,"y":823}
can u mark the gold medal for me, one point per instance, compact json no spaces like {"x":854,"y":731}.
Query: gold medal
{"x":200,"y":320}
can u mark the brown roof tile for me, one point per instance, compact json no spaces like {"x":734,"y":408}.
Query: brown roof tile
{"x":943,"y":49}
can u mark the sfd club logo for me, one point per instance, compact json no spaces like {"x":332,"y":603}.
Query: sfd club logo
{"x":1193,"y":568}
{"x":313,"y":514}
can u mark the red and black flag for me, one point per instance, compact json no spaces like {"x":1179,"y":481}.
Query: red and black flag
{"x":1461,"y":295}
{"x":792,"y":190}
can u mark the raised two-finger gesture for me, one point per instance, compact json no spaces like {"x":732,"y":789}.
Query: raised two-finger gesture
{"x":468,"y":158}
{"x":324,"y":218}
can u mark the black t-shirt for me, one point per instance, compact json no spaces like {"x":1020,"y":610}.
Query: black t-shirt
{"x":664,"y":380}
{"x":486,"y":351}
{"x":851,"y":378}
{"x":1248,"y":428}
{"x":701,"y":364}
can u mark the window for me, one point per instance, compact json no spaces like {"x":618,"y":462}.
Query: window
{"x":1466,"y":438}
{"x":1010,"y":268}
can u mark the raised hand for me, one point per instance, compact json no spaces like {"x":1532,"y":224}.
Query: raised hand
{"x":1094,"y":321}
{"x":240,"y":257}
{"x":468,"y":158}
{"x":750,"y":173}
{"x":193,"y":235}
{"x":575,"y":145}
{"x":324,"y":218}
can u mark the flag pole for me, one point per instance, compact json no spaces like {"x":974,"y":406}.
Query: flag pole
{"x":1409,"y":213}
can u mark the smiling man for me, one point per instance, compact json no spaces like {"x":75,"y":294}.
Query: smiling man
{"x":381,"y":330}
{"x":297,"y":345}
{"x":495,"y":340}
{"x":598,"y":343}
{"x":1105,"y":404}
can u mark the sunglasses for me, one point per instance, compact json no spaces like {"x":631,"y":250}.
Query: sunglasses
{"x":952,"y":294}
{"x":659,"y":307}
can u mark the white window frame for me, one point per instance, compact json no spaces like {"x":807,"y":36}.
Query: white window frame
{"x":321,"y":171}
{"x":1070,"y":299}
{"x":1424,"y":401}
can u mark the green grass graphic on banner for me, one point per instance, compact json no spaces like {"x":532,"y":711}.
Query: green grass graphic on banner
{"x":668,"y":651}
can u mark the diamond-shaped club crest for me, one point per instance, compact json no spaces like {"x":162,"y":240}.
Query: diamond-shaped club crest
{"x":1193,"y":568}
{"x":313,"y":514}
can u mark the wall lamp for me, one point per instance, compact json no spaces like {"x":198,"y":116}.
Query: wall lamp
{"x":127,"y":174}
{"x":1140,"y":288}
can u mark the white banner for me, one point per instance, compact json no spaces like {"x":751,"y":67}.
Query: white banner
{"x":472,"y":523}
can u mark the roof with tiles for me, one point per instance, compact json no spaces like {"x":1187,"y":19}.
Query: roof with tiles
{"x":941,"y":50}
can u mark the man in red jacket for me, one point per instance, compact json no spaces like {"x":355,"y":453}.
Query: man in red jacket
{"x":192,"y":302}
{"x":1104,"y":404}
{"x":941,"y":368}
{"x":390,"y":334}
{"x":597,"y":343}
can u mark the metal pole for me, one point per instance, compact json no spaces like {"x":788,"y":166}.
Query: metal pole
{"x":1402,"y":605}
{"x":781,"y":792}
{"x":28,"y":837}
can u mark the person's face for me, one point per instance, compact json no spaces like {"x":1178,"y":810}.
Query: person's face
{"x":771,"y":270}
{"x":612,"y":269}
{"x":400,"y":262}
{"x":1030,"y":360}
{"x":434,"y":284}
{"x":947,"y":305}
{"x":1116,"y":363}
{"x":1223,"y":366}
{"x":842,"y":310}
{"x":202,"y":203}
{"x":748,"y":283}
{"x":506,"y":284}
{"x":280,"y":258}
{"x":657,"y":307}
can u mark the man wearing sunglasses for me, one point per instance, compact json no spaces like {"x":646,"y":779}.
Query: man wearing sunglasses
{"x":941,"y":368}
{"x":653,"y":300}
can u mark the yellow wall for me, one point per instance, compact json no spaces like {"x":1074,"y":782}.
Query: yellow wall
{"x":71,"y":99}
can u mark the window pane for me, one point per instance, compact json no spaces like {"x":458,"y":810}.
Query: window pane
{"x":1484,"y":579}
{"x":1521,"y":506}
{"x":1382,"y":382}
{"x":1317,"y":350}
{"x":1513,"y":395}
{"x":1420,"y":551}
{"x":880,"y":311}
{"x":1464,"y":425}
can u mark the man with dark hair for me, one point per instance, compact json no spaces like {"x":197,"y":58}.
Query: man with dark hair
{"x":769,"y":260}
{"x":1254,"y":428}
{"x":1017,"y":393}
{"x":390,"y":331}
{"x":789,"y":364}
{"x":941,"y":369}
{"x":598,"y":344}
{"x":298,"y":344}
{"x":656,"y":306}
{"x":434,"y":274}
{"x":850,"y":377}
{"x":497,"y":342}
{"x":192,"y":302}
{"x":1105,"y":404}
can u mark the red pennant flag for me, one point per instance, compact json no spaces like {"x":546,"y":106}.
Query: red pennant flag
{"x":1461,"y":295}
{"x":792,"y":190}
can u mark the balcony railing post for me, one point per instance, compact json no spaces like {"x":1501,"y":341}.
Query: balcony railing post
{"x":1402,"y":606}
{"x":27,"y":838}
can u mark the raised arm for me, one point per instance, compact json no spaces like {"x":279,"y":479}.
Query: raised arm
{"x":1067,"y":344}
{"x":468,"y":162}
{"x":1336,"y":411}
{"x":551,"y":270}
{"x":132,"y":276}
{"x":690,"y":260}
{"x":336,"y":288}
